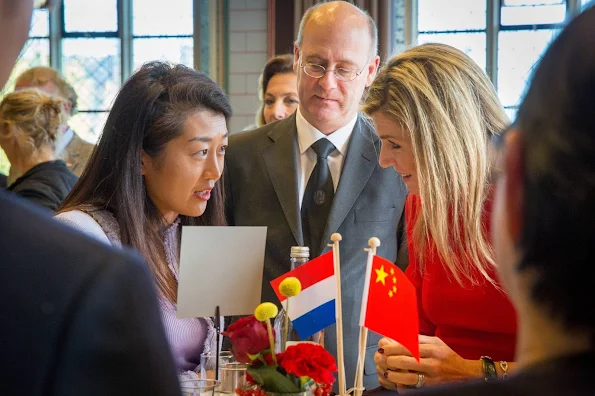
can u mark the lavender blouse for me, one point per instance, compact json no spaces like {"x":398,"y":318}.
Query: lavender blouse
{"x":188,"y":337}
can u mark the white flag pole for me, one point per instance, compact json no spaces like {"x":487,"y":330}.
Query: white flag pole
{"x":363,"y":332}
{"x":336,"y":238}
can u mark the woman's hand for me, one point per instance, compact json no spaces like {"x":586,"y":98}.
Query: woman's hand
{"x":438,"y":363}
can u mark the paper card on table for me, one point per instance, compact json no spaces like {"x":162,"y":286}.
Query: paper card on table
{"x":220,"y":266}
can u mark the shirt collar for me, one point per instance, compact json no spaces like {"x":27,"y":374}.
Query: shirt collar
{"x":308,"y":134}
{"x":64,"y":140}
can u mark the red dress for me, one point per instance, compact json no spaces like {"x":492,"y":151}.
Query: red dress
{"x":474,"y":321}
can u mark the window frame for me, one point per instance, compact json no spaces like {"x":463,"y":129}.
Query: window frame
{"x":493,"y":28}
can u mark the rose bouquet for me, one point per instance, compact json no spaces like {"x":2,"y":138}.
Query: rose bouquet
{"x":304,"y":367}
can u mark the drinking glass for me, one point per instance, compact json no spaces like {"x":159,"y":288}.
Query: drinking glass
{"x":199,"y":387}
{"x":208,"y":360}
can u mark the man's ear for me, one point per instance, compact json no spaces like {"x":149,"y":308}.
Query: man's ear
{"x":68,"y":107}
{"x":514,"y":181}
{"x":372,"y":70}
{"x":296,"y":58}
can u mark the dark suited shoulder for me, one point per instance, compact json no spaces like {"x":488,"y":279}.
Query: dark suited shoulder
{"x":245,"y":165}
{"x":80,"y":317}
{"x":118,"y":325}
{"x":246,"y":142}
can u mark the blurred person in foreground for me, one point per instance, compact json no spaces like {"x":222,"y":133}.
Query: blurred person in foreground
{"x":544,"y":224}
{"x":79,"y":317}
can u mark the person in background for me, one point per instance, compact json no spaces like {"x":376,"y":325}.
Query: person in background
{"x":317,"y":172}
{"x":277,"y":90}
{"x":79,"y":317}
{"x":436,"y":111}
{"x":70,"y":147}
{"x":155,"y":169}
{"x":29,"y":125}
{"x":544,"y":224}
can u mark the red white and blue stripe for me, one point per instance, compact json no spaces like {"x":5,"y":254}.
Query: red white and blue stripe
{"x":314,"y":308}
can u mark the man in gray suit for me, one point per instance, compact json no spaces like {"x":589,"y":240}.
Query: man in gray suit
{"x":288,"y":177}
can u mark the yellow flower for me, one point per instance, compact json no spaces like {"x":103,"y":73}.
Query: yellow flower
{"x":265,"y":311}
{"x":290,"y":287}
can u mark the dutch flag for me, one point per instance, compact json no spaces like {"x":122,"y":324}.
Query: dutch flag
{"x":314,"y":308}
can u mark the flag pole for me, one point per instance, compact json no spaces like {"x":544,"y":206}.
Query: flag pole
{"x":336,"y":238}
{"x":363,"y":331}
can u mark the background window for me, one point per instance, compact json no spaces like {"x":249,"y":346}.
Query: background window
{"x":92,"y":67}
{"x":163,"y":31}
{"x":521,"y":35}
{"x":460,"y":23}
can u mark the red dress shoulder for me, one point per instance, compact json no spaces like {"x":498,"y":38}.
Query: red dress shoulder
{"x":473,"y":320}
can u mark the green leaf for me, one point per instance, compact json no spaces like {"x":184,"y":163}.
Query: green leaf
{"x":273,"y":381}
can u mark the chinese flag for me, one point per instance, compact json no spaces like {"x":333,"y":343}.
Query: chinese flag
{"x":389,"y":305}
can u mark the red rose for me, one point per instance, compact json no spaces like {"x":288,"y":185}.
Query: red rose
{"x":248,"y":336}
{"x":309,"y":360}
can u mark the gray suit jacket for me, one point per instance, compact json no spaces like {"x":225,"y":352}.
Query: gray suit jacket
{"x":76,"y":154}
{"x":262,"y":189}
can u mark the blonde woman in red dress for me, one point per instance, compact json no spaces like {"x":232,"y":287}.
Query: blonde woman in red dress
{"x":436,"y":112}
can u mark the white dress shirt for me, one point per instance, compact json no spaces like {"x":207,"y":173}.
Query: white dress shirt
{"x":64,"y":140}
{"x":308,"y":135}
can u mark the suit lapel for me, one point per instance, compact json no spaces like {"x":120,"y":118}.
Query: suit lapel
{"x":281,"y":159}
{"x":359,"y":163}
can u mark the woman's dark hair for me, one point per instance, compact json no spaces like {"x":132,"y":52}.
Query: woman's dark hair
{"x":557,"y":123}
{"x":149,"y":111}
{"x":279,"y":64}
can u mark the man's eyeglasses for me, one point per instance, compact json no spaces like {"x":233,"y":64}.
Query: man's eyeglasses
{"x":317,"y":71}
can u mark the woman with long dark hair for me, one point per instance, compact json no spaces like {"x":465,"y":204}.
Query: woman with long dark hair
{"x":154,"y":170}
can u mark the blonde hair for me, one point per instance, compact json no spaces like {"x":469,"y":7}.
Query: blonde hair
{"x":41,"y":75}
{"x":36,"y":117}
{"x":451,"y":111}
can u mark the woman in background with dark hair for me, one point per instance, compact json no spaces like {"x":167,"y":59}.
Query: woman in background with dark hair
{"x":154,"y":170}
{"x":277,"y":91}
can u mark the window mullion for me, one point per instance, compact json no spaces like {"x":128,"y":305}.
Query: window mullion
{"x":492,"y":30}
{"x":573,"y":8}
{"x":56,"y":28}
{"x":125,"y":34}
{"x":411,"y":17}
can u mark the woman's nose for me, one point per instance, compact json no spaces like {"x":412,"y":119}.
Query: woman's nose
{"x":386,"y":159}
{"x":280,"y":111}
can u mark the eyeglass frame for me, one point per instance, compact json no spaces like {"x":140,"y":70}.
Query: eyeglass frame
{"x":325,"y":70}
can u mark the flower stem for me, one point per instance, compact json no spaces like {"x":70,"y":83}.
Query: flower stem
{"x":271,"y":341}
{"x":285,"y":327}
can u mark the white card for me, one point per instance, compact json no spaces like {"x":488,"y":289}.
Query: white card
{"x":220,"y":266}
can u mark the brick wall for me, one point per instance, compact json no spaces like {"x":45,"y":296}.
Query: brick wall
{"x":247,"y":56}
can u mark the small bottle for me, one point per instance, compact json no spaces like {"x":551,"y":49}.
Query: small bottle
{"x":299,"y":255}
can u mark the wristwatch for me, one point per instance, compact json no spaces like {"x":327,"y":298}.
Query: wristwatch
{"x":489,"y":368}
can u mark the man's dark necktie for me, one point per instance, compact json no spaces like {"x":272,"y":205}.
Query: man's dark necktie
{"x":318,"y":197}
